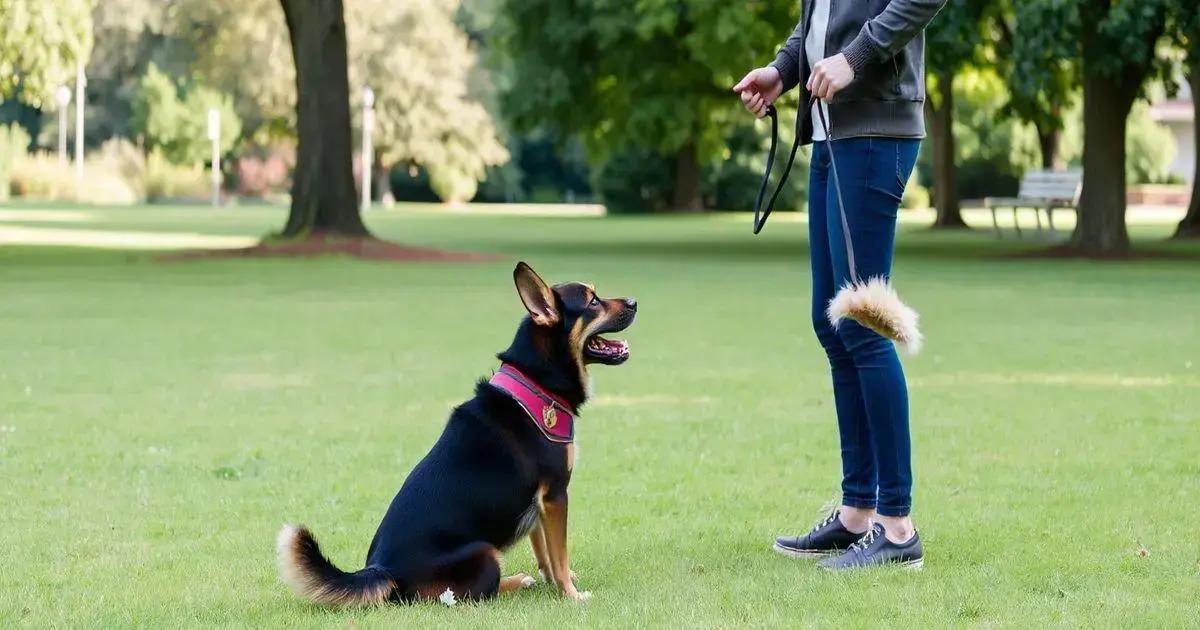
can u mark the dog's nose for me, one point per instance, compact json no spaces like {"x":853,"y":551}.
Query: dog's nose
{"x":631,"y":304}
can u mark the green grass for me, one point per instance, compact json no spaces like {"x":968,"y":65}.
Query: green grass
{"x":161,"y":420}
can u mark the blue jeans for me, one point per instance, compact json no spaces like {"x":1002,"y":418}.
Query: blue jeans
{"x":869,"y":390}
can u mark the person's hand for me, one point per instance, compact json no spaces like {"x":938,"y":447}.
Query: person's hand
{"x":829,"y":76}
{"x":759,"y":89}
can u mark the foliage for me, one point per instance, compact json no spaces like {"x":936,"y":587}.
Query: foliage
{"x":634,"y":180}
{"x":1150,"y":148}
{"x":41,"y":177}
{"x":1042,"y":65}
{"x":954,"y":39}
{"x":14,"y":141}
{"x":732,"y":183}
{"x":174,"y":118}
{"x":129,"y":36}
{"x":261,"y":171}
{"x":168,"y":181}
{"x":40,"y":45}
{"x":992,"y":151}
{"x":651,"y":75}
{"x":412,"y":54}
{"x":241,"y":47}
{"x":417,"y":60}
{"x":916,"y":196}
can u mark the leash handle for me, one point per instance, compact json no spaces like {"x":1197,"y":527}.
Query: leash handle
{"x":761,"y":214}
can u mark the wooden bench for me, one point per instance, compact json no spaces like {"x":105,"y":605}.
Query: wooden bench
{"x":1040,"y":190}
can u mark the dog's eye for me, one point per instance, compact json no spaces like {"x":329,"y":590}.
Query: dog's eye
{"x":595,"y":301}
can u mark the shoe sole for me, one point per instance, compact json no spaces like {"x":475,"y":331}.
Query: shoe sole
{"x":794,"y":553}
{"x":909,"y":565}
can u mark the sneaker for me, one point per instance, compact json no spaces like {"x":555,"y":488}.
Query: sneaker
{"x":827,"y":537}
{"x":875,"y":549}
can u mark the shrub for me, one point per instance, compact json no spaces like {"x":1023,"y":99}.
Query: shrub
{"x":174,"y":118}
{"x":262,"y":171}
{"x":41,"y":177}
{"x":1149,"y":147}
{"x":166,"y":181}
{"x":634,"y":180}
{"x":127,"y":160}
{"x":14,"y":141}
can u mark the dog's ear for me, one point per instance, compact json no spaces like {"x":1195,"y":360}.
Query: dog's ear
{"x":538,"y":298}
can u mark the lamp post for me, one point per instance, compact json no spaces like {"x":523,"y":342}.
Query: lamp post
{"x":80,"y":83}
{"x":368,"y":148}
{"x":62,"y":96}
{"x":214,"y":134}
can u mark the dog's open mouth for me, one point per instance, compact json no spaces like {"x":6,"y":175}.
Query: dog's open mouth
{"x":606,"y":351}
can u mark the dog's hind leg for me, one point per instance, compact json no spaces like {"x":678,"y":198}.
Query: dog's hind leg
{"x":516,"y":583}
{"x":471,"y":572}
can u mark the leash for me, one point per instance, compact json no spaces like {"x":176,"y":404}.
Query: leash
{"x":761,"y":214}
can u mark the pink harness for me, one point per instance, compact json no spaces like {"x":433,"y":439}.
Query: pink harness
{"x":552,"y":415}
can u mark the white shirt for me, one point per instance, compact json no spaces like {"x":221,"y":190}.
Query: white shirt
{"x":814,"y":48}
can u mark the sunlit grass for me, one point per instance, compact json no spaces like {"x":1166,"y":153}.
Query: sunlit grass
{"x":159,"y":421}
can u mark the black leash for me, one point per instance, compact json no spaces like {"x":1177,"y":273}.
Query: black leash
{"x":761,"y":215}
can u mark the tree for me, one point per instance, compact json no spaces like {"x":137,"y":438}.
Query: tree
{"x":1185,"y":32}
{"x":653,"y":75}
{"x":1042,"y":68}
{"x":418,"y":61}
{"x":953,"y":41}
{"x":411,"y":54}
{"x":40,"y":45}
{"x":1118,"y":40}
{"x":323,"y":195}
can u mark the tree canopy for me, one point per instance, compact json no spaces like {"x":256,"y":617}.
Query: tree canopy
{"x":40,"y":45}
{"x":654,"y":74}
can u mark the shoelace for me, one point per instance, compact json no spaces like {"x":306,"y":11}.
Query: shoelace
{"x":826,"y":521}
{"x":866,"y":540}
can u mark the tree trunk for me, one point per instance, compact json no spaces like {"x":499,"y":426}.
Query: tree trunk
{"x":945,"y":171}
{"x":1106,"y":103}
{"x":1189,"y":227}
{"x":686,"y":196}
{"x":1048,"y":141}
{"x":323,"y":191}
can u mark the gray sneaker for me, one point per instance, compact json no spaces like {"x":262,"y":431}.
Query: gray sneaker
{"x":875,"y":549}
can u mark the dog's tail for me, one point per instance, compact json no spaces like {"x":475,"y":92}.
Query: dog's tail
{"x":313,"y":577}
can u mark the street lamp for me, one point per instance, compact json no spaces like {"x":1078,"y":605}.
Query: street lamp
{"x":80,"y":83}
{"x":214,"y":134}
{"x":62,"y":96}
{"x":368,"y":148}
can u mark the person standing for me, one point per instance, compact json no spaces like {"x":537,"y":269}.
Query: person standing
{"x":864,"y":63}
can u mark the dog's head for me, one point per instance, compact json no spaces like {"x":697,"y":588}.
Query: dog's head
{"x":563,"y":333}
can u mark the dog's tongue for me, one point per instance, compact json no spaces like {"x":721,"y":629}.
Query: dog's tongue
{"x":609,"y":347}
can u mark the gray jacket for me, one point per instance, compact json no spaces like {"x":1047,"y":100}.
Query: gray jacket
{"x":884,"y":42}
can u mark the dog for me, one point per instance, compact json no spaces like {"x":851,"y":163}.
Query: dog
{"x":498,"y":473}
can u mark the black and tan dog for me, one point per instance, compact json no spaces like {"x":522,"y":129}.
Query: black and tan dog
{"x":498,"y":473}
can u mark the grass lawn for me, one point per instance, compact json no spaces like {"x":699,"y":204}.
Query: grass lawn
{"x":159,"y":421}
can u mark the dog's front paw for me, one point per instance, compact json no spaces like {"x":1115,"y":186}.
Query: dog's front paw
{"x":580,"y":596}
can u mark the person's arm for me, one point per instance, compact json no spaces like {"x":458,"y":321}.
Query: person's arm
{"x":890,"y":31}
{"x":787,"y":60}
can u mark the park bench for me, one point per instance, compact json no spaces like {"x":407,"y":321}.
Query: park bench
{"x":1040,"y":190}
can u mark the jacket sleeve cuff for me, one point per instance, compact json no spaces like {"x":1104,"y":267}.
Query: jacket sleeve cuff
{"x":789,"y":70}
{"x":860,"y":52}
